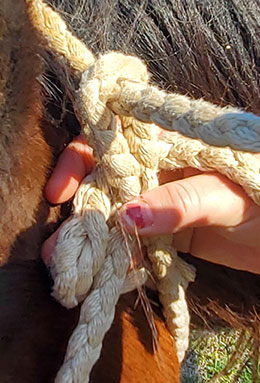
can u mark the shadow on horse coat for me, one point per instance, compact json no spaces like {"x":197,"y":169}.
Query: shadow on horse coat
{"x":34,"y":329}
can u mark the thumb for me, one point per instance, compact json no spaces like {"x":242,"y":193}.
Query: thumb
{"x":202,"y":200}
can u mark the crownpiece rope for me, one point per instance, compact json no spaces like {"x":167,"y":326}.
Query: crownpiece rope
{"x":91,"y":258}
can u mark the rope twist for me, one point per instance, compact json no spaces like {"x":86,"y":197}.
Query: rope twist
{"x":91,"y":259}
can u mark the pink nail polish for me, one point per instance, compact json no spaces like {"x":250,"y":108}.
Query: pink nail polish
{"x":137,"y":214}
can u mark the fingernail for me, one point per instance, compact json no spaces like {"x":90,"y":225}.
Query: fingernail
{"x":137,"y":214}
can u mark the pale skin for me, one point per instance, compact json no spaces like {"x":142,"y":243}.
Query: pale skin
{"x":212,"y":217}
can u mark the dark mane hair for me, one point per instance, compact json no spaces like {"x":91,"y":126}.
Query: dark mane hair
{"x":208,"y":49}
{"x":203,"y":48}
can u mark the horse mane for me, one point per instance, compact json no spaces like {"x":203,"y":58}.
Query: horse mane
{"x":204,"y":49}
{"x":201,"y":48}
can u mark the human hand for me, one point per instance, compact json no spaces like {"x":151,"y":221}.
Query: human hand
{"x":212,"y":217}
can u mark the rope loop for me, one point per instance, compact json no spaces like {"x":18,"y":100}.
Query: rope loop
{"x":92,"y":256}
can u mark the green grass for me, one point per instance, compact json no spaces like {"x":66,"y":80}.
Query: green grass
{"x":209,"y":354}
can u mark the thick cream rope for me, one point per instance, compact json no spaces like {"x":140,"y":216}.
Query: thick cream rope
{"x":92,"y":253}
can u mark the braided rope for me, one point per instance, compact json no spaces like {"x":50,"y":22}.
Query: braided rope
{"x":92,"y":253}
{"x":56,"y":37}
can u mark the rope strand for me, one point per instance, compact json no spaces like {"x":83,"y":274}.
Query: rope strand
{"x":92,"y":257}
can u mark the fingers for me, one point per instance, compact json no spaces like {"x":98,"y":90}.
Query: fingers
{"x":215,"y":246}
{"x":208,"y":244}
{"x":74,"y":163}
{"x":202,"y":200}
{"x":49,"y":245}
{"x":245,"y":233}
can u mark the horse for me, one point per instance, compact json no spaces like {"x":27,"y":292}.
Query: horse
{"x":221,"y":65}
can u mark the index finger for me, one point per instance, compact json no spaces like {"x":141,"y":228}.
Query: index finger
{"x":75,"y":162}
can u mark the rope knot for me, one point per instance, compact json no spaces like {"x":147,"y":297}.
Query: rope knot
{"x":92,"y":254}
{"x":103,"y":81}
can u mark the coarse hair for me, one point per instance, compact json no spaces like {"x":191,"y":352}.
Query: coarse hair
{"x":202,"y":48}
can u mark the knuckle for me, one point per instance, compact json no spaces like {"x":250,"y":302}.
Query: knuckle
{"x":186,"y":197}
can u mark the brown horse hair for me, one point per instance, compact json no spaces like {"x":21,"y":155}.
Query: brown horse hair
{"x":34,"y":329}
{"x":206,"y":49}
